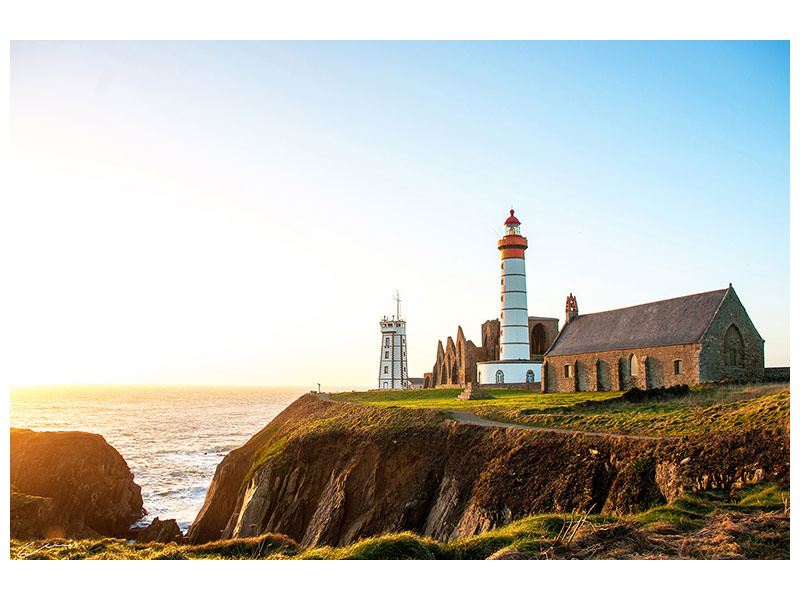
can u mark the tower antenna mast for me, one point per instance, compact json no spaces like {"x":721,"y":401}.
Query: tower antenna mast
{"x":397,"y":299}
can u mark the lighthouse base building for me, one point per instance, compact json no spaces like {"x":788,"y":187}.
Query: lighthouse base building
{"x":509,"y":371}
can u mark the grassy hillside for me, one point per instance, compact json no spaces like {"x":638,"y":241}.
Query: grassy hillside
{"x":703,"y":409}
{"x":752,"y":523}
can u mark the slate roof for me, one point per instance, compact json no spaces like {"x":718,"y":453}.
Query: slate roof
{"x":675,"y":321}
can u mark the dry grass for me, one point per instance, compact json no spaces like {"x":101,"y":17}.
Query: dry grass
{"x":751,"y":523}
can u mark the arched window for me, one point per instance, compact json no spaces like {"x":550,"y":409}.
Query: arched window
{"x":733,"y":347}
{"x":633,"y":365}
{"x":529,"y":376}
{"x":538,"y":339}
{"x":498,"y":377}
{"x":454,"y":373}
{"x":598,"y":369}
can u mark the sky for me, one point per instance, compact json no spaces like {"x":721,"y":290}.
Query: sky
{"x":243,"y":212}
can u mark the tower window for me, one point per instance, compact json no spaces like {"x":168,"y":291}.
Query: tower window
{"x":388,"y":342}
{"x":385,"y":369}
{"x":386,"y":354}
{"x":677,"y":365}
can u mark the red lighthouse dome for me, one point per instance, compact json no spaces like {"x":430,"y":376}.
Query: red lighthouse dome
{"x":512,"y":220}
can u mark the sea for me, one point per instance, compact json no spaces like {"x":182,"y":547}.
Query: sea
{"x":172,"y":437}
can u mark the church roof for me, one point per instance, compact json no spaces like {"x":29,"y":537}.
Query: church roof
{"x":681,"y":320}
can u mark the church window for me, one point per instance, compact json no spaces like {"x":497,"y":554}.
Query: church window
{"x":499,"y":377}
{"x":677,"y":364}
{"x":529,"y":376}
{"x":385,"y":369}
{"x":567,"y":371}
{"x":733,"y":347}
{"x":633,"y":365}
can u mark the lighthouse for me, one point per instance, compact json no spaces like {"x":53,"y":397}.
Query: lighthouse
{"x":393,"y":370}
{"x":515,"y":364}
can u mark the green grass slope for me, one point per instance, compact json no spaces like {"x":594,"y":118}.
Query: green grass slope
{"x":702,"y":410}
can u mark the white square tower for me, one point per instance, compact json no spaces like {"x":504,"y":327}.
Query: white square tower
{"x":393,"y":372}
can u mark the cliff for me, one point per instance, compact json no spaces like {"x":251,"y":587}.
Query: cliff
{"x":329,"y":473}
{"x":70,"y":484}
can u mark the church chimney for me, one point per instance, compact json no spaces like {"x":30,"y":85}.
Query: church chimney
{"x":572,"y":308}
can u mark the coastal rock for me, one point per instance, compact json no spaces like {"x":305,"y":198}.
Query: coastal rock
{"x":35,"y":517}
{"x":160,"y":531}
{"x":448,"y":480}
{"x":70,"y":484}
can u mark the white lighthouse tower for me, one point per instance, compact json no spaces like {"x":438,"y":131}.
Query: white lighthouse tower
{"x":393,"y":372}
{"x":515,"y":364}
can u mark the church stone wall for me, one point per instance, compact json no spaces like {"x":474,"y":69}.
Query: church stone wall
{"x":713,"y":361}
{"x":609,"y":370}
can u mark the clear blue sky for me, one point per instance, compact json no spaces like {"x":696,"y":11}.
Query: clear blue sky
{"x":242,"y":212}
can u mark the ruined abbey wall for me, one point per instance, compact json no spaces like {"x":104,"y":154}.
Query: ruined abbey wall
{"x":455,"y":359}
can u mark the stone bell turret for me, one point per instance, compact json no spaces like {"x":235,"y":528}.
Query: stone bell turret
{"x":572,"y":308}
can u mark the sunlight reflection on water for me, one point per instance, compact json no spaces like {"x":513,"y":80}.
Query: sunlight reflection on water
{"x":172,"y":437}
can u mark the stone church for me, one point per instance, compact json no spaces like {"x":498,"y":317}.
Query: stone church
{"x":686,"y":340}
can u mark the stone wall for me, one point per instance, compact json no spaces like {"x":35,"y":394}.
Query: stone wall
{"x":776,"y":374}
{"x":542,"y":338}
{"x":455,"y":359}
{"x":714,"y":360}
{"x":611,"y":369}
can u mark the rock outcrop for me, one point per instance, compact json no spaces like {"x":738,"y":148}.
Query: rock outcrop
{"x":70,"y":484}
{"x":447,"y":480}
{"x":161,"y":531}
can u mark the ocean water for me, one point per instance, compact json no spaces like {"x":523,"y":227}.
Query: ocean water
{"x":172,"y":437}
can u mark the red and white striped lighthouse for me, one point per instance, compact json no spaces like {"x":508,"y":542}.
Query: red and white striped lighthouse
{"x":515,"y":364}
{"x":514,"y":343}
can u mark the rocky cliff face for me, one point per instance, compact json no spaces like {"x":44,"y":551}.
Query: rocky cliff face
{"x":333,"y":485}
{"x":70,"y":484}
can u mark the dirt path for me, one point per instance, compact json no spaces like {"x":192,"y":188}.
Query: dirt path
{"x":463,"y":416}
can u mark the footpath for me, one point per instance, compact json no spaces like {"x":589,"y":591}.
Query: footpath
{"x":463,"y":416}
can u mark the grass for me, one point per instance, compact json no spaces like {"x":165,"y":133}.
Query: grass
{"x":703,"y":409}
{"x":346,"y":417}
{"x":446,"y":399}
{"x":748,"y":523}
